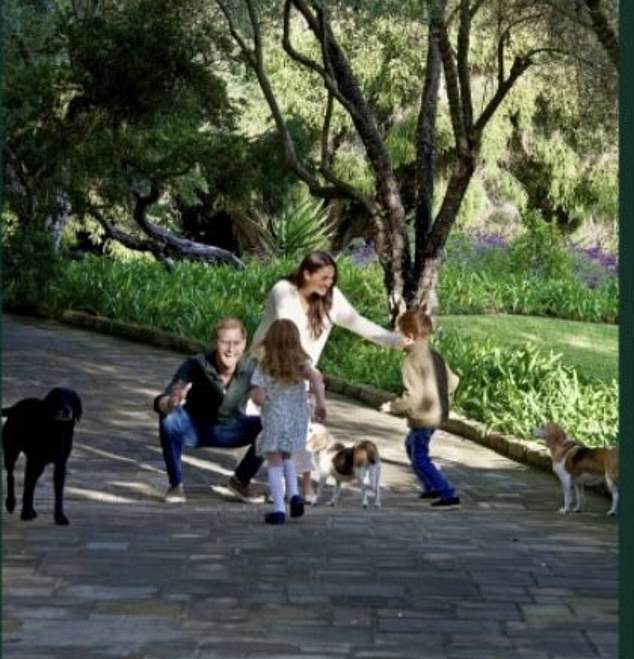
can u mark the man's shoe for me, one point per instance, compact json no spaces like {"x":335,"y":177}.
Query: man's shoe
{"x":243,"y":492}
{"x":175,"y":494}
{"x":274,"y":518}
{"x":450,"y":502}
{"x":430,"y":494}
{"x":296,"y":504}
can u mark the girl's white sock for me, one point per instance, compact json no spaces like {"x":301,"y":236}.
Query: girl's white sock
{"x":290,"y":476}
{"x":276,"y":487}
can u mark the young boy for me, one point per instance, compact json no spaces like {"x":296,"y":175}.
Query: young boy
{"x":427,"y":381}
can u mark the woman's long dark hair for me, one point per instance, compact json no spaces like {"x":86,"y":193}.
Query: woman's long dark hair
{"x":318,"y":307}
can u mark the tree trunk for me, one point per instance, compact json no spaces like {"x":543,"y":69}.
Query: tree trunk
{"x":603,"y":31}
{"x":456,"y":189}
{"x":56,"y":221}
{"x":426,"y":295}
{"x":425,"y":158}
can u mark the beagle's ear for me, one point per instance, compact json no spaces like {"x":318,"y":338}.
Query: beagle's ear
{"x":319,"y":438}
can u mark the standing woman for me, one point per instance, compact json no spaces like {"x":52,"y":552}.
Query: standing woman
{"x":310,"y":298}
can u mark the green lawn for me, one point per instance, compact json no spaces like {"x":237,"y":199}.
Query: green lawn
{"x":592,"y":348}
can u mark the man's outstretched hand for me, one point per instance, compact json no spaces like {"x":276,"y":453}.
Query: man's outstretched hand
{"x":177,"y":398}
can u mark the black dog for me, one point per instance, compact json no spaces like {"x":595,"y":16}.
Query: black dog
{"x":43,"y":430}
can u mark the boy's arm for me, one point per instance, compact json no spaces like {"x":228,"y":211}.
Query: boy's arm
{"x":408,"y":400}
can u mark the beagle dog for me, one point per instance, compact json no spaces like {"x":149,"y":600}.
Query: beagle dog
{"x":577,"y":465}
{"x":360,"y":462}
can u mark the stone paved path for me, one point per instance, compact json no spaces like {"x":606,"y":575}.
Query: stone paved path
{"x":505,"y":576}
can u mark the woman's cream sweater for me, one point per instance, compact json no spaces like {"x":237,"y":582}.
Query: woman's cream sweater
{"x":284,"y":301}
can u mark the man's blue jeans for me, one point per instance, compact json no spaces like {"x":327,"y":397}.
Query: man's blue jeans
{"x":432,"y":480}
{"x":179,"y":429}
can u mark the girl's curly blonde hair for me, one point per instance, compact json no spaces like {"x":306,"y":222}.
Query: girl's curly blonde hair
{"x":280,"y":353}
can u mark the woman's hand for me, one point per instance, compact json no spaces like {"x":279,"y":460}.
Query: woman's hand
{"x":320,"y":413}
{"x":385,"y":407}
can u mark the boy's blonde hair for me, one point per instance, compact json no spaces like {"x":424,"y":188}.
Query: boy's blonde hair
{"x":280,"y":353}
{"x":415,"y":323}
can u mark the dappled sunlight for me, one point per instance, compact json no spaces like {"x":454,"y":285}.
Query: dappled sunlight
{"x":207,"y":465}
{"x":151,"y":393}
{"x":115,"y":456}
{"x":201,"y":463}
{"x":141,"y":488}
{"x":97,"y":495}
{"x":586,"y":343}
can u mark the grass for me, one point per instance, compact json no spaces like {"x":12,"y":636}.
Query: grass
{"x":509,"y":378}
{"x":590,"y":348}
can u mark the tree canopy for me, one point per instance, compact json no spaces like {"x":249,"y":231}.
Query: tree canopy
{"x":161,"y":124}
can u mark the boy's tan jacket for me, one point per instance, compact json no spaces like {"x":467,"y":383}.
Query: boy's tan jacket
{"x":428,"y":381}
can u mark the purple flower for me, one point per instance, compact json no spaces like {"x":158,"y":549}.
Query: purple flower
{"x":593,"y":265}
{"x":490,"y":239}
{"x":364,"y":254}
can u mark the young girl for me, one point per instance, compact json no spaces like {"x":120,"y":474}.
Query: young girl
{"x":278,"y":386}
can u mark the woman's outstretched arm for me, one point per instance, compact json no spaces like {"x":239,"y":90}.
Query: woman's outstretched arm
{"x":345,"y":315}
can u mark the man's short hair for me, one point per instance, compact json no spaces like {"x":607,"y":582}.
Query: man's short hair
{"x":228,"y":323}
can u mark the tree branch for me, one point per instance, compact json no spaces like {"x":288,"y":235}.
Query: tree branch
{"x":425,"y":148}
{"x":560,"y":8}
{"x":326,"y":154}
{"x":328,"y":78}
{"x":249,"y":56}
{"x":463,"y":64}
{"x":184,"y":247}
{"x":519,"y":67}
{"x":603,"y":30}
{"x":451,"y":77}
{"x":256,"y":62}
{"x":128,"y":240}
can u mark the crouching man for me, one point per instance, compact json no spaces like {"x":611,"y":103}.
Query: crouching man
{"x":204,"y":405}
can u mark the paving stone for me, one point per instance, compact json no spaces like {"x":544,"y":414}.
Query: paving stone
{"x":606,"y":642}
{"x":97,"y":631}
{"x":487,"y":611}
{"x":150,"y":607}
{"x":351,"y":617}
{"x":99,"y":592}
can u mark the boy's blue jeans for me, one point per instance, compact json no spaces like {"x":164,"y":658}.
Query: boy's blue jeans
{"x":417,"y":447}
{"x":179,"y":429}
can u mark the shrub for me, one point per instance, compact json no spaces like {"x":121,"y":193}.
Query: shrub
{"x":510,"y":390}
{"x":30,"y":267}
{"x":301,"y":227}
{"x":540,"y":250}
{"x":516,"y":389}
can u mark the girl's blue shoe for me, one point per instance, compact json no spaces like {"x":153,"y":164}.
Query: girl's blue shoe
{"x":296,"y":504}
{"x":274,"y":518}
